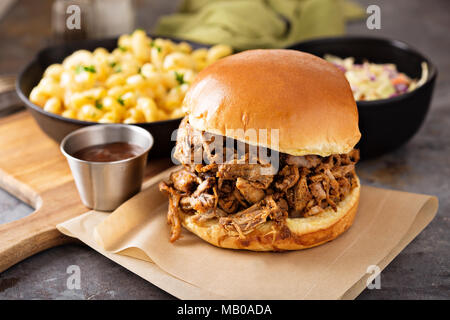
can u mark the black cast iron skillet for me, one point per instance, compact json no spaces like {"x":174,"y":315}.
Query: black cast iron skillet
{"x":385,"y":124}
{"x":57,"y":127}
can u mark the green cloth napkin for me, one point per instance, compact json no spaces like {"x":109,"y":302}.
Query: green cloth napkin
{"x":249,"y":24}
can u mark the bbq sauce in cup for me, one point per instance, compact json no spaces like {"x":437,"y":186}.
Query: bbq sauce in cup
{"x":108,"y":152}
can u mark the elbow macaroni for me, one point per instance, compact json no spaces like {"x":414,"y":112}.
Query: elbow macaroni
{"x":143,"y":80}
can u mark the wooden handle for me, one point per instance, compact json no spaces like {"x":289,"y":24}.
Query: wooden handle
{"x":33,"y":169}
{"x":22,"y":238}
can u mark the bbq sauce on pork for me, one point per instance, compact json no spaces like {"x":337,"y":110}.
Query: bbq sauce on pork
{"x":241,"y":198}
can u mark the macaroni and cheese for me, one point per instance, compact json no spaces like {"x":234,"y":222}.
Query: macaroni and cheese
{"x":142,"y":80}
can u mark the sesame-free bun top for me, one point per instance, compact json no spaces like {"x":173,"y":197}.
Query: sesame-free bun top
{"x":307,"y":98}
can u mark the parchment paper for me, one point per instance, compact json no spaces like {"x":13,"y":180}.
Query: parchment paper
{"x":136,"y":236}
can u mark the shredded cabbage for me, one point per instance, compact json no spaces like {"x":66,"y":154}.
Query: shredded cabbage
{"x":371,"y":81}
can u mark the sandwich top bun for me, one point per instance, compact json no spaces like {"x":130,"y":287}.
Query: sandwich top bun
{"x":307,"y":98}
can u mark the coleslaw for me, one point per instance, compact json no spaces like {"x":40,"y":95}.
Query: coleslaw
{"x":371,"y":81}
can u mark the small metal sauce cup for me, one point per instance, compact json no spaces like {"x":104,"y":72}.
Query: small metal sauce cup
{"x":106,"y":185}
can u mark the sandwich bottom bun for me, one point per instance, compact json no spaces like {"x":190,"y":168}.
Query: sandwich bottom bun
{"x":296,"y":234}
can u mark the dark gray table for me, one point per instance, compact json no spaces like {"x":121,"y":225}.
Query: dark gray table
{"x":421,"y":271}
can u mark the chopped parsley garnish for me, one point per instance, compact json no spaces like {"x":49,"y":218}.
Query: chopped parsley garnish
{"x":113,"y":64}
{"x":139,"y":70}
{"x":180,"y":78}
{"x":98,"y":105}
{"x":153,"y":45}
{"x":81,"y":68}
{"x":117,"y":69}
{"x":122,"y":48}
{"x":120,"y":100}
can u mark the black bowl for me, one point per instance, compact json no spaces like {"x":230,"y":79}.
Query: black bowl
{"x":385,"y":124}
{"x":57,"y":127}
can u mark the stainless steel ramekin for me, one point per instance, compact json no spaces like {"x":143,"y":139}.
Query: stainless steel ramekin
{"x":105,"y":185}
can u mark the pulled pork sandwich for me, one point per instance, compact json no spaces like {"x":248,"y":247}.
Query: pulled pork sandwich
{"x":235,"y":198}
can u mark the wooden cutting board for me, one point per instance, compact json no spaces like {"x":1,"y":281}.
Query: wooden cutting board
{"x":33,"y":169}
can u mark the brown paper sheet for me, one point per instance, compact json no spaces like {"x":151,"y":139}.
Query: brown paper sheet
{"x":136,"y":236}
{"x":82,"y":228}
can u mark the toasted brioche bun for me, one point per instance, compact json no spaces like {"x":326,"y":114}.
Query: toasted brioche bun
{"x":298,"y":233}
{"x":307,"y":98}
{"x":311,"y":103}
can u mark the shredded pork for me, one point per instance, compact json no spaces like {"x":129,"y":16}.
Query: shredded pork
{"x":234,"y":191}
